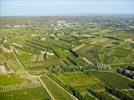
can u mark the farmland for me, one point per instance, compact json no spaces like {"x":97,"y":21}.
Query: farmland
{"x":56,"y":90}
{"x":67,"y":58}
{"x":25,"y":94}
{"x":108,"y":76}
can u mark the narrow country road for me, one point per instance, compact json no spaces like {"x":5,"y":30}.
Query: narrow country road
{"x":46,"y":88}
{"x":43,"y":84}
{"x":78,"y":47}
{"x":73,"y":97}
{"x":86,"y":60}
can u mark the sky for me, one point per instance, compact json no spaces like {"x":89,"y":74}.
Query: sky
{"x":64,"y":7}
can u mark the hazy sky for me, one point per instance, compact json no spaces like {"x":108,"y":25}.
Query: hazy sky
{"x":64,"y":7}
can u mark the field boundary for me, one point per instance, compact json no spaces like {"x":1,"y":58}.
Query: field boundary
{"x":73,"y":97}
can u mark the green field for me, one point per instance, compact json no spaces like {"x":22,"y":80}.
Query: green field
{"x":80,"y":82}
{"x":112,"y":79}
{"x":56,"y":91}
{"x":129,"y":92}
{"x":37,"y":93}
{"x":66,"y":57}
{"x":14,"y":79}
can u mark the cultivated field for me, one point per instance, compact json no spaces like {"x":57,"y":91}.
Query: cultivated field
{"x":67,"y":58}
